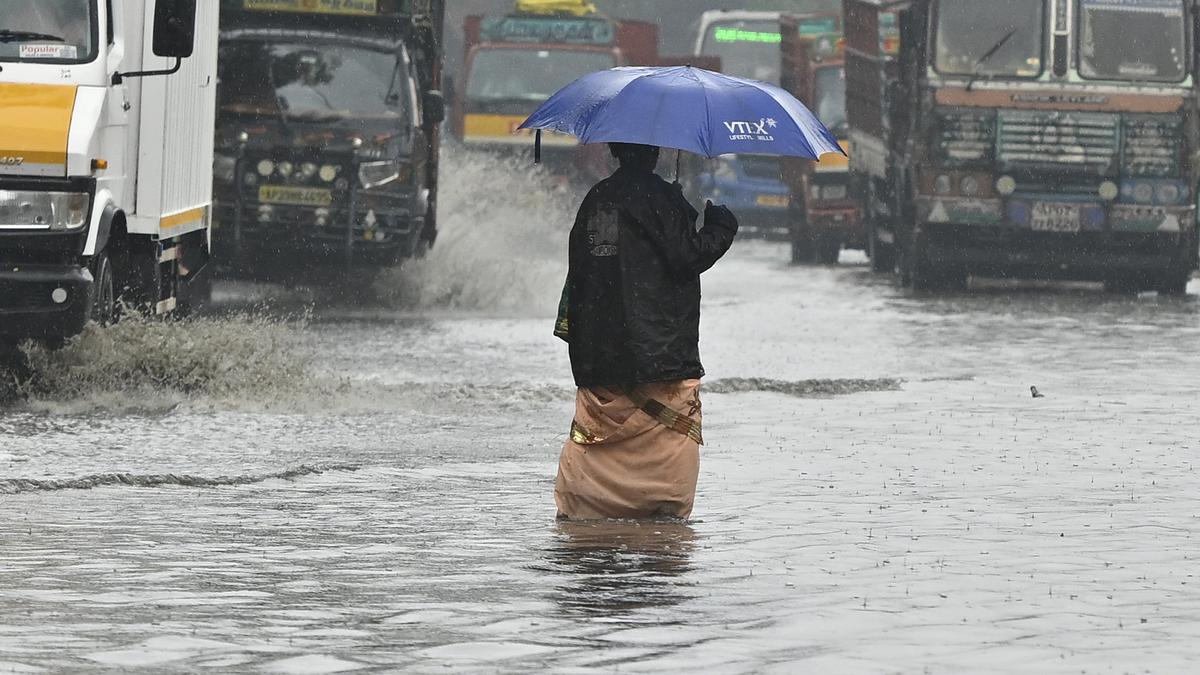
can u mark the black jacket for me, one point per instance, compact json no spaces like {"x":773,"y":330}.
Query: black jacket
{"x":633,"y":288}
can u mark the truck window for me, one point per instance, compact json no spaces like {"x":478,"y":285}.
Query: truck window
{"x":989,"y":38}
{"x":312,"y":81}
{"x":830,"y":108}
{"x":747,"y":48}
{"x":1147,"y":41}
{"x":532,"y":75}
{"x":56,"y":31}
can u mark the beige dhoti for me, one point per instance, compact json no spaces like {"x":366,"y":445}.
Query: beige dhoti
{"x":632,"y":453}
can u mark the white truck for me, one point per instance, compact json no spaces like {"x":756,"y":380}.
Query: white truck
{"x":106,"y":150}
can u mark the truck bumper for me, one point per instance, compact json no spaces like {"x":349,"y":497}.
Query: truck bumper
{"x":842,"y":223}
{"x":996,"y":238}
{"x":28,"y":307}
{"x":293,"y":239}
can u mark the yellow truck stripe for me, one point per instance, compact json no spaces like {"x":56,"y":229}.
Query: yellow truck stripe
{"x":35,"y":123}
{"x":503,"y":129}
{"x":185,"y":221}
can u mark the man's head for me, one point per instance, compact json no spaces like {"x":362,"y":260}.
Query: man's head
{"x":634,"y":156}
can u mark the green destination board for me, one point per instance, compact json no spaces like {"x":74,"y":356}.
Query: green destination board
{"x":808,"y":28}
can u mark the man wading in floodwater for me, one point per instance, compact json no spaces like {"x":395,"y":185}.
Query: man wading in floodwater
{"x":631,"y":314}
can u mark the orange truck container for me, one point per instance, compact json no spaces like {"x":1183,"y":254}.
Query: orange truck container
{"x":824,"y":217}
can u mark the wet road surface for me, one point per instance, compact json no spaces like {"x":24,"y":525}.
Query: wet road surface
{"x":880,"y":492}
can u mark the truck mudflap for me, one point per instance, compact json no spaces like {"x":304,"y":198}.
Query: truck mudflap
{"x":44,"y":301}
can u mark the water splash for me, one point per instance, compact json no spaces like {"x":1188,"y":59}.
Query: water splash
{"x":502,"y":242}
{"x":145,"y":362}
{"x":10,"y":486}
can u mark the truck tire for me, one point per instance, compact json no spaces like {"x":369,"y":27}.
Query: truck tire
{"x":883,"y":255}
{"x":104,"y":295}
{"x":803,"y":250}
{"x":198,"y":296}
{"x":920,"y":274}
{"x":137,"y":269}
{"x":828,"y":250}
{"x":1174,"y":283}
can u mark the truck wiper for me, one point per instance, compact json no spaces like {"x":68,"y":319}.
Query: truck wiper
{"x":392,"y":97}
{"x":280,"y":102}
{"x":18,"y":35}
{"x":988,"y":55}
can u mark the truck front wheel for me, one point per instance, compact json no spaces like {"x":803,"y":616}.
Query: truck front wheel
{"x":883,"y":255}
{"x":104,"y":298}
{"x":828,"y":249}
{"x":920,"y":274}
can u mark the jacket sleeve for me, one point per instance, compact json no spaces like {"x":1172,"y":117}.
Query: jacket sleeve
{"x":669,"y":221}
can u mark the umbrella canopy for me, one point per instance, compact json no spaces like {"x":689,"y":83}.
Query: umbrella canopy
{"x":685,"y":108}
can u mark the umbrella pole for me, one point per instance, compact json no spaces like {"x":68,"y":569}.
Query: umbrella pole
{"x":678,"y":157}
{"x":537,"y":148}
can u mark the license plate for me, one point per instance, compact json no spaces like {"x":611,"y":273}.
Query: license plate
{"x":1050,"y":217}
{"x":777,"y":201}
{"x":299,"y":196}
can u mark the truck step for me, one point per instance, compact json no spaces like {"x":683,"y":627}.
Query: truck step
{"x":169,"y":254}
{"x":165,"y":307}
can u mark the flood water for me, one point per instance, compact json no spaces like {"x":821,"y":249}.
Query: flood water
{"x":369,"y":487}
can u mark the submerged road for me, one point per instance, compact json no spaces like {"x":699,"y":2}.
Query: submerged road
{"x":370,"y":489}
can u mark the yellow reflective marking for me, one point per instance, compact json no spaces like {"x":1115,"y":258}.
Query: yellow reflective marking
{"x":173,"y":221}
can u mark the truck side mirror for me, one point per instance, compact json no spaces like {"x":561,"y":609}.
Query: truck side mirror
{"x":174,"y":28}
{"x":435,"y":107}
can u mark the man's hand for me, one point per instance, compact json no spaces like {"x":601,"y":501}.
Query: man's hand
{"x":720,"y":216}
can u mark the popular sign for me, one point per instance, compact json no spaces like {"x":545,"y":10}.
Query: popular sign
{"x":346,"y":7}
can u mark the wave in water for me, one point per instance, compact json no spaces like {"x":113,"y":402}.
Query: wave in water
{"x":9,"y":486}
{"x":800,"y":388}
{"x":502,"y":241}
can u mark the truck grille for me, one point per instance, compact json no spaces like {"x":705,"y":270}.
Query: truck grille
{"x":1152,"y":144}
{"x":965,"y":138}
{"x":1051,"y":139}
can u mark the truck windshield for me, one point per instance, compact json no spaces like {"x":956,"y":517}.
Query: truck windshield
{"x":1120,"y":41}
{"x":831,"y":98}
{"x":989,"y":38}
{"x":312,"y":81}
{"x":747,"y":48}
{"x":532,"y":75}
{"x":56,"y":31}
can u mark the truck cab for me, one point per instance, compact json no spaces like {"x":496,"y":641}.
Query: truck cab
{"x":824,"y":217}
{"x":514,"y":63}
{"x":1028,"y":139}
{"x":105,"y":155}
{"x":748,"y":45}
{"x":326,"y":136}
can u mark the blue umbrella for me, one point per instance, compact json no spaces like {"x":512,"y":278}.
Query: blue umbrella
{"x":684,"y":108}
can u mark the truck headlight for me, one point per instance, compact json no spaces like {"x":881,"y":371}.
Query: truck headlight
{"x":43,"y":210}
{"x":375,"y":174}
